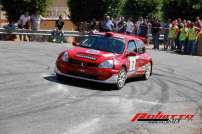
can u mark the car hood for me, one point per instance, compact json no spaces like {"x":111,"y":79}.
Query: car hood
{"x":90,"y":55}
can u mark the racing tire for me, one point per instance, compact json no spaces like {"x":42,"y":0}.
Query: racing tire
{"x":122,"y":76}
{"x":148,"y":71}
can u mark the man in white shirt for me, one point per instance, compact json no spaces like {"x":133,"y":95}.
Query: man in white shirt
{"x":23,"y":23}
{"x":129,"y":26}
{"x":24,"y":20}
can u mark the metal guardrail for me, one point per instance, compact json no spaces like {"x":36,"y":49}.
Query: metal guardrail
{"x":39,"y":32}
{"x":48,"y":33}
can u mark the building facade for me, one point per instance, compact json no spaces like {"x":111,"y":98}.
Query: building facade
{"x":58,"y":7}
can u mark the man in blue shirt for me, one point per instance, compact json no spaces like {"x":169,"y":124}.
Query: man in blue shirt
{"x":108,"y":25}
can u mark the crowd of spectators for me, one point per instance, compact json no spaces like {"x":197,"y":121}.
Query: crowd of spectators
{"x":179,"y":35}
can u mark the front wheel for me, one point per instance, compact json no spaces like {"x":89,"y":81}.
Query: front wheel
{"x":121,"y":79}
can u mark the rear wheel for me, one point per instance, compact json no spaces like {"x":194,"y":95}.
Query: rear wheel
{"x":148,"y":71}
{"x":121,"y":79}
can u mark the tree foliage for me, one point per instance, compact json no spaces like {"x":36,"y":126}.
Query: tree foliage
{"x":14,"y":8}
{"x":86,"y":10}
{"x":186,"y":9}
{"x":142,"y":8}
{"x":115,"y":7}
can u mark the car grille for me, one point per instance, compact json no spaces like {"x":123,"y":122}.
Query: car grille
{"x":81,"y":63}
{"x":83,"y":75}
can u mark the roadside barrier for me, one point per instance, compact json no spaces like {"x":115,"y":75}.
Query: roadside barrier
{"x":44,"y":35}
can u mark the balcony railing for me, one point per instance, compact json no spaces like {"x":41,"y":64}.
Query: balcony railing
{"x":54,"y":12}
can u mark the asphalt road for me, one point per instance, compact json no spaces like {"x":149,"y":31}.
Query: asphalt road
{"x":32,"y":101}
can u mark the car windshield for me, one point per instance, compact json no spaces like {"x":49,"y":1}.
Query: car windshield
{"x":107,"y":44}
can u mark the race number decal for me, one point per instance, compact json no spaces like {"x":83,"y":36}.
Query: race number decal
{"x":132,"y":63}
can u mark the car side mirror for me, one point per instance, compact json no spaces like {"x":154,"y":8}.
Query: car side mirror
{"x":142,"y":50}
{"x":75,"y":44}
{"x":131,"y":54}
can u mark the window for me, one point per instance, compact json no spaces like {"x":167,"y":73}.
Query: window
{"x":140,"y":47}
{"x":132,"y":46}
{"x":102,"y":43}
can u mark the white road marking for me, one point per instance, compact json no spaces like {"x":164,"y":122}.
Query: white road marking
{"x":148,"y":102}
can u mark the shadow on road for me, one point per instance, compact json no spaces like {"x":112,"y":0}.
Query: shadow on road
{"x":86,"y":84}
{"x":80,"y":83}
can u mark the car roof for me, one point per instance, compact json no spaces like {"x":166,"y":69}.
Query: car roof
{"x":119,"y":35}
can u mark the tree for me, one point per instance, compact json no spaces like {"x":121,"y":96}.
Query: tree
{"x":86,"y":10}
{"x":14,"y":8}
{"x":142,"y":8}
{"x":185,"y":9}
{"x":115,"y":7}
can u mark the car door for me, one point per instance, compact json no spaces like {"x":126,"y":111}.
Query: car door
{"x":131,"y":59}
{"x":142,"y":57}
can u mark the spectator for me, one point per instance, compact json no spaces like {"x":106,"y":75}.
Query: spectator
{"x":182,"y":37}
{"x":198,"y":23}
{"x":185,"y":23}
{"x":85,"y":26}
{"x":166,"y":27}
{"x":10,"y":28}
{"x":136,"y":28}
{"x":149,"y":27}
{"x":35,"y":19}
{"x":179,"y":25}
{"x":122,"y":25}
{"x":129,"y":26}
{"x":139,"y":22}
{"x":101,"y":25}
{"x":188,"y":24}
{"x":143,"y":31}
{"x":192,"y":34}
{"x":172,"y":34}
{"x":93,"y":25}
{"x":59,"y":24}
{"x":23,"y":23}
{"x":107,"y":25}
{"x":155,"y":33}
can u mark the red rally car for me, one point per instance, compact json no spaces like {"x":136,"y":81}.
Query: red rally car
{"x":109,"y":58}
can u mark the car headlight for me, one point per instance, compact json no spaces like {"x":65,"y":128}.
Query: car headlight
{"x":107,"y":64}
{"x":65,"y":57}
